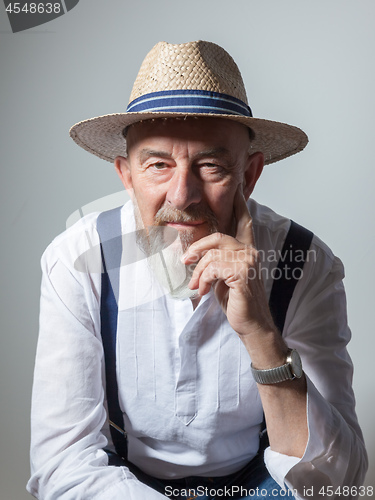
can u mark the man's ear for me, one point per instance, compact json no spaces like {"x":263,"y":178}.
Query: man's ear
{"x":255,"y":164}
{"x":123,"y":171}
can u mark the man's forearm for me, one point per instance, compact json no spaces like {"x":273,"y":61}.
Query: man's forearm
{"x":284,"y":403}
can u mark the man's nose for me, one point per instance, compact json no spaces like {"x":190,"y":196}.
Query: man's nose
{"x":184,"y":189}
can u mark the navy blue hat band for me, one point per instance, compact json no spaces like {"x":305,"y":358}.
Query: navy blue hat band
{"x":189,"y":101}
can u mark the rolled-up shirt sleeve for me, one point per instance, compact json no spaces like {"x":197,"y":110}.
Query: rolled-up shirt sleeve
{"x":316,"y":325}
{"x":68,"y":412}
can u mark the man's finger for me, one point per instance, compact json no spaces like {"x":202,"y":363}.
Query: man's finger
{"x":244,"y":231}
{"x":212,"y":241}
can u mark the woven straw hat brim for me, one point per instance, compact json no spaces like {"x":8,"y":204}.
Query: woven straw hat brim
{"x":103,"y":135}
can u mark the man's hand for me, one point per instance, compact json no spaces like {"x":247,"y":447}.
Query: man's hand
{"x":232,"y":267}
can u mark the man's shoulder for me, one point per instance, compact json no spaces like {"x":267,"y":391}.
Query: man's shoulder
{"x":271,"y":228}
{"x":79,"y":240}
{"x":267,"y":219}
{"x":86,"y":225}
{"x":71,"y":243}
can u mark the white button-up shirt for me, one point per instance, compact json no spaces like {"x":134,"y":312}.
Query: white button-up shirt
{"x":191,"y":406}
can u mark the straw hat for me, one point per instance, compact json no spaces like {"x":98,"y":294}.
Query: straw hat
{"x":189,"y":79}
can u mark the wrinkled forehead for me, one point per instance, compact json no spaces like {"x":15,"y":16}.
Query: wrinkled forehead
{"x":215,"y":131}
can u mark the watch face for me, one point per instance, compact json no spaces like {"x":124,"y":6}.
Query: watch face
{"x":296,"y":363}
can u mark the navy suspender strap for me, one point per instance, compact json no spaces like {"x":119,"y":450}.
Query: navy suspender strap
{"x":290,"y":268}
{"x":109,"y":229}
{"x":289,"y":271}
{"x":296,"y":244}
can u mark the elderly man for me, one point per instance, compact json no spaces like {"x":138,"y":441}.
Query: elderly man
{"x":182,"y":316}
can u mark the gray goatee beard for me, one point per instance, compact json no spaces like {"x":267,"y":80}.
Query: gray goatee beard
{"x":164,"y":247}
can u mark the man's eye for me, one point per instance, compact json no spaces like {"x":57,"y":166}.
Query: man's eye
{"x":215,"y":166}
{"x":159,"y":165}
{"x":211,"y":167}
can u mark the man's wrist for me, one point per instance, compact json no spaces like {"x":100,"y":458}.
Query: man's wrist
{"x":267,"y":350}
{"x":289,"y":370}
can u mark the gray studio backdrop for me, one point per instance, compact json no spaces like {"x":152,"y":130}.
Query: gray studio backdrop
{"x":308,"y":63}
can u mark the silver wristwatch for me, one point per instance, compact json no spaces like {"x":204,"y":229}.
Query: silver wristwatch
{"x":290,"y":370}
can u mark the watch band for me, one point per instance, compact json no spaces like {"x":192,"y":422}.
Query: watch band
{"x":290,"y":370}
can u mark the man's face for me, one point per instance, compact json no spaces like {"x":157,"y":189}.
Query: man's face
{"x":185,"y":173}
